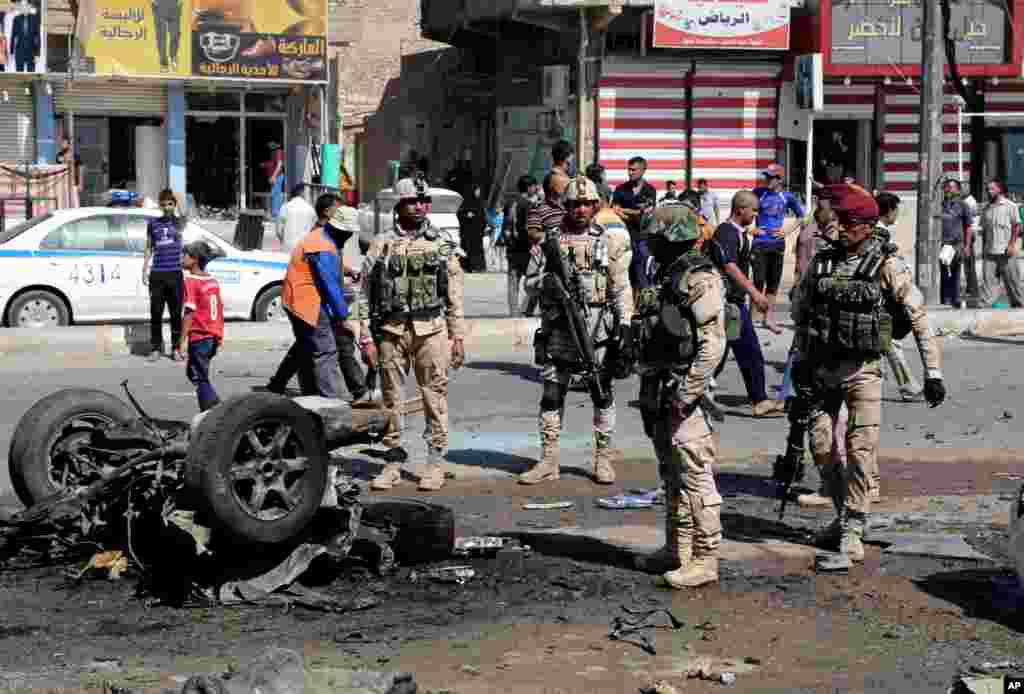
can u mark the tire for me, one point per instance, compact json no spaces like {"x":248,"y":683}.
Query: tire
{"x":49,"y":422}
{"x":268,"y":307}
{"x":238,"y":503}
{"x":426,"y":532}
{"x":38,"y":309}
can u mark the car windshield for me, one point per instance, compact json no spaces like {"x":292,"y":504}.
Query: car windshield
{"x":20,"y":228}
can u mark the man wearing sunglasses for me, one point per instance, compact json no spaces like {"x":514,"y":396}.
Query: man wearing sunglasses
{"x":414,"y":285}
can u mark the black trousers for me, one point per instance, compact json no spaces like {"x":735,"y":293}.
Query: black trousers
{"x":165,"y":289}
{"x":347,"y":360}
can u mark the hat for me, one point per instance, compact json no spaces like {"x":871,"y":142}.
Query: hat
{"x":411,"y":189}
{"x":851,"y":203}
{"x":344,"y":219}
{"x":774,"y":170}
{"x":581,"y":189}
{"x":673,"y":222}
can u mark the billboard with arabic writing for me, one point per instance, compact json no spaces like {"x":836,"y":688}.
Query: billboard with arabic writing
{"x":750,"y":24}
{"x":240,"y":39}
{"x":888,"y":32}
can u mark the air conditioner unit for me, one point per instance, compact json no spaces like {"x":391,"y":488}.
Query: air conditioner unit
{"x":556,"y":85}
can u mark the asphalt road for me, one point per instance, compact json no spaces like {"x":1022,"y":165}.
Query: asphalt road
{"x":494,"y":402}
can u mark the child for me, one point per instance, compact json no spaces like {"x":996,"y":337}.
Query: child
{"x":203,"y":326}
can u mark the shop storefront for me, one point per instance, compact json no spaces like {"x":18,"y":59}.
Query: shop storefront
{"x":17,"y":133}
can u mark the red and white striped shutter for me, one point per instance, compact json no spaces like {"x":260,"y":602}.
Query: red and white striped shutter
{"x":901,"y":156}
{"x":1007,"y":97}
{"x":735,"y":110}
{"x":856,"y":101}
{"x":642,"y":112}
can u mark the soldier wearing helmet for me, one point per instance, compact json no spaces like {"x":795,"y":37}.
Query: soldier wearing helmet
{"x":681,"y":327}
{"x":598,"y":258}
{"x":413,"y":282}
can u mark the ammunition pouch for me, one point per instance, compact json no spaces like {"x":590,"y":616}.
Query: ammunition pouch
{"x":408,"y":286}
{"x":733,"y":321}
{"x":850,"y":317}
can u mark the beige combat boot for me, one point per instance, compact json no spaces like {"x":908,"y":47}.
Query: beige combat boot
{"x":548,"y":467}
{"x":388,"y":477}
{"x":678,"y":547}
{"x":604,"y":473}
{"x":699,"y":572}
{"x":432,"y":478}
{"x":818,"y":499}
{"x":851,"y":542}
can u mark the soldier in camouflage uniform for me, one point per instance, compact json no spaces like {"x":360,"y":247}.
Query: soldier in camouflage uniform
{"x":853,"y":300}
{"x":413,"y":285}
{"x":599,"y":257}
{"x":681,"y":324}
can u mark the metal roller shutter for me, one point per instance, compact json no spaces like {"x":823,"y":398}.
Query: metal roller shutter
{"x":17,"y":134}
{"x":901,"y":147}
{"x":735,"y":109}
{"x":642,"y":112}
{"x":111,"y":98}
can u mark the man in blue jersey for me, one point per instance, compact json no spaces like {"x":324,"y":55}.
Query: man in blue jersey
{"x":768,"y":250}
{"x":161,"y":271}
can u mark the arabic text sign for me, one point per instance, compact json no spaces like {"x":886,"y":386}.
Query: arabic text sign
{"x":752,"y":24}
{"x":250,"y":39}
{"x":888,"y":32}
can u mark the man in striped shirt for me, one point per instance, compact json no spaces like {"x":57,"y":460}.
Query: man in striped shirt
{"x":542,"y":218}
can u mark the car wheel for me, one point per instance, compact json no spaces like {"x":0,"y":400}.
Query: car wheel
{"x":49,"y":447}
{"x":38,"y":309}
{"x":258,"y":465}
{"x":270,"y":307}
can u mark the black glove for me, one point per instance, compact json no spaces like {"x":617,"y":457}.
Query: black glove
{"x":934,"y":391}
{"x":625,"y":351}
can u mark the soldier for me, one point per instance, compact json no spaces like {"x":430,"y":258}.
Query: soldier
{"x":599,"y":259}
{"x":851,"y":303}
{"x":414,"y":287}
{"x":682,"y":337}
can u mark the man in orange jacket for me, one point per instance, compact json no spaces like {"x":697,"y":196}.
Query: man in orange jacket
{"x":314,"y":298}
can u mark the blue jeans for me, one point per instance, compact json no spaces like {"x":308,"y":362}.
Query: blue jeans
{"x":949,"y":286}
{"x":317,"y":352}
{"x":641,"y":271}
{"x":277,"y":197}
{"x":747,"y":349}
{"x":200,"y":353}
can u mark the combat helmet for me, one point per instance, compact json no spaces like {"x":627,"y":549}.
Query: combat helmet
{"x":581,"y":189}
{"x":412,"y":189}
{"x":673,"y":222}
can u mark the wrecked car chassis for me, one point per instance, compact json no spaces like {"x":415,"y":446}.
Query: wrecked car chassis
{"x":253,"y":471}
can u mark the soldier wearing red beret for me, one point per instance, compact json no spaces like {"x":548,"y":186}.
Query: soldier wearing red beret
{"x":855,"y":298}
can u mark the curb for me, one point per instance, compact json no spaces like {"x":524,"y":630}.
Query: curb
{"x":119,"y":340}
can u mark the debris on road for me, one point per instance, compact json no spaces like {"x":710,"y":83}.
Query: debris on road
{"x":547,"y":505}
{"x":660,"y":687}
{"x":628,"y":628}
{"x":479,"y":546}
{"x":114,"y":563}
{"x":445,"y":574}
{"x":633,"y":499}
{"x":832,"y":562}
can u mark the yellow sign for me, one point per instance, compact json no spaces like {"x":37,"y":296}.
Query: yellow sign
{"x":249,"y":39}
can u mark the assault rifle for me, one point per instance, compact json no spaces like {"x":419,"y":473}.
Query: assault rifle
{"x":568,"y":291}
{"x":789,"y":467}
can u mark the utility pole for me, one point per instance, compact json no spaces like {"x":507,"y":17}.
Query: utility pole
{"x":582,"y":92}
{"x":929,"y":212}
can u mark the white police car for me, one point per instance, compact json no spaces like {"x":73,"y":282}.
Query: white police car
{"x":85,"y":264}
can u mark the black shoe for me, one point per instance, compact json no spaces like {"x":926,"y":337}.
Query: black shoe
{"x":274,"y":388}
{"x":395,"y":455}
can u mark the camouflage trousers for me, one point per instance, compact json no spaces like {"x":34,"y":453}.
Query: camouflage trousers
{"x":552,"y":409}
{"x":686,"y":455}
{"x":427,"y":357}
{"x":858,"y":385}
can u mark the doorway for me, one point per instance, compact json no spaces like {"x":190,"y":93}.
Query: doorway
{"x":213,"y":159}
{"x":259,"y":134}
{"x":92,"y":136}
{"x":836,"y":151}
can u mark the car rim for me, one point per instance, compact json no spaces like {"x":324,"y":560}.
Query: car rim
{"x":275,"y":310}
{"x":267,"y":471}
{"x":38,"y":313}
{"x":68,"y":465}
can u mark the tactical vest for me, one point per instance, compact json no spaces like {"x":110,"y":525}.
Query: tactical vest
{"x":668,"y":327}
{"x":587,"y":256}
{"x":409,"y":285}
{"x":850,"y":318}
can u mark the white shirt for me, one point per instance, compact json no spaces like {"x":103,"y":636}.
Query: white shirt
{"x":296,"y":219}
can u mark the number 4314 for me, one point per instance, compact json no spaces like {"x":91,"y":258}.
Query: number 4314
{"x":89,"y":273}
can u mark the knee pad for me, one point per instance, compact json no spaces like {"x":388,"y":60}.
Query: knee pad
{"x":553,"y":397}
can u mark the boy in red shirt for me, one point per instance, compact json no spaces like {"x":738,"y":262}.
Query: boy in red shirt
{"x":202,"y":329}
